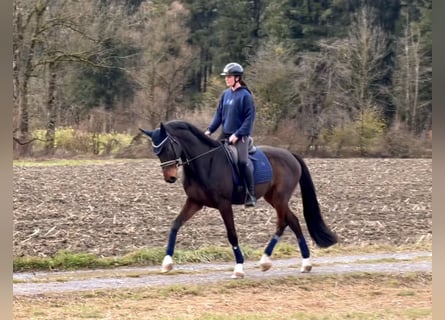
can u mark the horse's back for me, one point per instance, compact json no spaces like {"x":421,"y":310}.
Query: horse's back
{"x":285,"y":166}
{"x":277,"y":153}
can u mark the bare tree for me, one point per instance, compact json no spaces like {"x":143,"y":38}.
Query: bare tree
{"x":357,"y":61}
{"x":273,"y":79}
{"x":28,"y":24}
{"x":40,"y":47}
{"x":340,"y":86}
{"x":166,"y":61}
{"x":411,"y":73}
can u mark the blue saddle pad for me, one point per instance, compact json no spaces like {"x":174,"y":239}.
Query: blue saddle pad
{"x":262,"y":170}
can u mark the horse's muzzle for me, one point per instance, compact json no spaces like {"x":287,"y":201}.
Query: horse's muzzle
{"x":170,"y":179}
{"x":170,"y":174}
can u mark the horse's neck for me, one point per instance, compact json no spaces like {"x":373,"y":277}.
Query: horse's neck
{"x":195,"y":150}
{"x":193,"y":146}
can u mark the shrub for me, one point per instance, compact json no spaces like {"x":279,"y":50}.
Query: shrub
{"x":76,"y":142}
{"x":399,"y":142}
{"x":359,"y":137}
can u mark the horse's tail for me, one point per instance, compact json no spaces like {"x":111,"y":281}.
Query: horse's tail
{"x":317,"y":228}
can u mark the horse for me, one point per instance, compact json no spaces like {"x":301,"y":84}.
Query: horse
{"x":208,"y":181}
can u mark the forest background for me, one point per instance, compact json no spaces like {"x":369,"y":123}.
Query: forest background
{"x":330,"y":78}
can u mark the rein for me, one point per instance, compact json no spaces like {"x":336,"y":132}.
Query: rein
{"x":178,"y":161}
{"x":187,"y":161}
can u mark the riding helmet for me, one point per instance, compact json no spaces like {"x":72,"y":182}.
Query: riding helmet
{"x":233,"y":69}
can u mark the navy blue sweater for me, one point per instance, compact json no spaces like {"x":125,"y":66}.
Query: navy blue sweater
{"x":235,"y":112}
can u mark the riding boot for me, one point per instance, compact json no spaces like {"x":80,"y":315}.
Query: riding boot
{"x":247,"y":175}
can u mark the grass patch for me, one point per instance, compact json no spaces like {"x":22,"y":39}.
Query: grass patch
{"x":406,"y":293}
{"x":68,"y":162}
{"x":339,"y":250}
{"x":181,"y":290}
{"x":66,"y":260}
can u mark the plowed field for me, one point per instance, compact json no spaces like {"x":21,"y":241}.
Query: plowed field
{"x":117,"y":206}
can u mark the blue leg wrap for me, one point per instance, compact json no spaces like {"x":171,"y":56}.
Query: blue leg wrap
{"x":238,"y":255}
{"x":303,"y":248}
{"x":271,"y":245}
{"x":171,"y":243}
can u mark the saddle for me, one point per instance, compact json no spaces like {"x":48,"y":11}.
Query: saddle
{"x":232,"y":152}
{"x":257,"y":161}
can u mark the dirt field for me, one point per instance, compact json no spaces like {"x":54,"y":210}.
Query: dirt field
{"x":358,"y":297}
{"x":114,"y":207}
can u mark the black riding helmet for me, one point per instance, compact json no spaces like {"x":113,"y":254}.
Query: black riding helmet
{"x":233,"y":69}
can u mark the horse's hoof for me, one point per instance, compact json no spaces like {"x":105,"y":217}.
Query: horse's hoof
{"x":265,"y":263}
{"x":167,"y":264}
{"x":306,"y":266}
{"x":238,"y":272}
{"x":167,"y":268}
{"x":266,"y":266}
{"x":237,"y":275}
{"x":305,"y":269}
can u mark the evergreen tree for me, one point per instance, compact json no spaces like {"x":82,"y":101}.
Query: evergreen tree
{"x":104,"y":82}
{"x":202,"y":36}
{"x":304,"y":23}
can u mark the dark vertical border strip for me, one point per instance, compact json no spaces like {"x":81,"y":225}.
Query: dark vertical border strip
{"x":439,"y":157}
{"x":6,"y":160}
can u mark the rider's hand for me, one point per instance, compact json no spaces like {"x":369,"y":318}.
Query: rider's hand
{"x":207,"y":133}
{"x":233,"y":139}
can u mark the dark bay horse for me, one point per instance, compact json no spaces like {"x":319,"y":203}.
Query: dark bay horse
{"x":207,"y":181}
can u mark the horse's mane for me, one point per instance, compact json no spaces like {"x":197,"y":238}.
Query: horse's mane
{"x":181,"y":125}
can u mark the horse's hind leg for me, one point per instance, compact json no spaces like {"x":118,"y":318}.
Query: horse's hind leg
{"x":285,"y":217}
{"x":265,"y":261}
{"x":294,"y":224}
{"x":188,"y":210}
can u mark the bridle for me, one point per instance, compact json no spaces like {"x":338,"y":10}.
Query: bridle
{"x":159,"y":147}
{"x":177,"y":161}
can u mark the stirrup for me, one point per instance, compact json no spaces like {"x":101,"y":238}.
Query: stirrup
{"x":250,"y":201}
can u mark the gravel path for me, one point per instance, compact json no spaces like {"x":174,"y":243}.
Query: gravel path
{"x":124,"y":278}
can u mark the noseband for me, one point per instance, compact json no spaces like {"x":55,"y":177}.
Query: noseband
{"x":177,"y":161}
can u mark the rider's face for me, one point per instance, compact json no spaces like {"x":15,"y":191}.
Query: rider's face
{"x":230,"y":80}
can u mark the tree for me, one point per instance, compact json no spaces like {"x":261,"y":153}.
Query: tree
{"x":41,"y":47}
{"x":357,"y":63}
{"x":222,"y":32}
{"x":344,"y":83}
{"x":414,"y":74}
{"x":202,"y":36}
{"x":237,"y":31}
{"x":28,"y":25}
{"x":303,"y":23}
{"x":104,"y":81}
{"x":273,"y":78}
{"x":165,"y":62}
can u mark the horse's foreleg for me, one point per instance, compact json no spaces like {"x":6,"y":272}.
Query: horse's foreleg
{"x":227,"y":215}
{"x":188,"y":210}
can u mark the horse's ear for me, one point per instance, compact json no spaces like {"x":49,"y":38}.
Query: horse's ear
{"x":163,"y":130}
{"x":147,"y":132}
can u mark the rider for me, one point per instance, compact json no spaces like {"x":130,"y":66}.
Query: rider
{"x":236,"y":114}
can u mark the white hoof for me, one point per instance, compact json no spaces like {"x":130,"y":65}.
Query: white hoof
{"x":167,"y":264}
{"x":238,"y":272}
{"x":306,"y":266}
{"x":265,"y":262}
